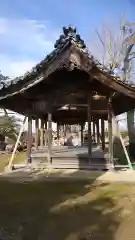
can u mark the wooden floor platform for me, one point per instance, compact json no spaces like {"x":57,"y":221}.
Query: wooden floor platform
{"x":65,"y":157}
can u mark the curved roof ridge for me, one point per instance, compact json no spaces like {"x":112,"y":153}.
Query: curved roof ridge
{"x":69,"y":36}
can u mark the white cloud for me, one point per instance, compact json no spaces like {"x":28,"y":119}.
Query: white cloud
{"x":25,"y":35}
{"x":14,"y":68}
{"x":18,"y":68}
{"x":23,"y":43}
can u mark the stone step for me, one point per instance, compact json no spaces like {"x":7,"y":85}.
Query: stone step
{"x":93,"y":167}
{"x":73,"y":166}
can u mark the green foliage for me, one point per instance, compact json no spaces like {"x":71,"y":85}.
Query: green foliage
{"x":24,"y":136}
{"x":4,"y":159}
{"x":9,"y":127}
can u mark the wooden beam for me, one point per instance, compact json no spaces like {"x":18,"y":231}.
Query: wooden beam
{"x":89,"y":127}
{"x":51,"y":97}
{"x":49,"y":138}
{"x":43,"y":106}
{"x":109,"y":81}
{"x":29,"y":143}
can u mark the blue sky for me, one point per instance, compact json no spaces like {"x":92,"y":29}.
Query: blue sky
{"x":29,"y":28}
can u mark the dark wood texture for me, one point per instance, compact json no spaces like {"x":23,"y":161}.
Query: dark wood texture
{"x":94,"y":131}
{"x":110,"y":133}
{"x":49,"y":137}
{"x":103,"y":134}
{"x":37,"y":133}
{"x":98,"y":133}
{"x":89,"y":126}
{"x":29,"y":145}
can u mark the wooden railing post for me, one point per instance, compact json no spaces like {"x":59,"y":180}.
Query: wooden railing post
{"x":89,"y":127}
{"x":29,"y":143}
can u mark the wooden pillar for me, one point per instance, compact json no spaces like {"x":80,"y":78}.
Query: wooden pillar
{"x":98,"y":133}
{"x":58,"y":134}
{"x":103,"y":133}
{"x":89,"y":127}
{"x":82,"y":125}
{"x":110,"y":133}
{"x":42,"y":134}
{"x":37,"y":133}
{"x":94,"y":131}
{"x":65,"y":133}
{"x":45,"y":133}
{"x":29,"y":143}
{"x":49,"y":138}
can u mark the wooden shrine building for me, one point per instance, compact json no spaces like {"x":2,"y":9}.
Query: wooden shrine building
{"x":68,"y":76}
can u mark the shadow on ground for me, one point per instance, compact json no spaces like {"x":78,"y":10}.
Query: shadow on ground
{"x":57,"y":211}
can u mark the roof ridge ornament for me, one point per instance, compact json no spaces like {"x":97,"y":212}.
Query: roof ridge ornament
{"x":69,"y":34}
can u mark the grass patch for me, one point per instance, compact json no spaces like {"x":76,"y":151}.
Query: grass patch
{"x":65,"y":210}
{"x":4,"y":159}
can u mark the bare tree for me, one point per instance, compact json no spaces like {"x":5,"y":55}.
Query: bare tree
{"x":110,"y":45}
{"x":128,"y":60}
{"x":118,"y":56}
